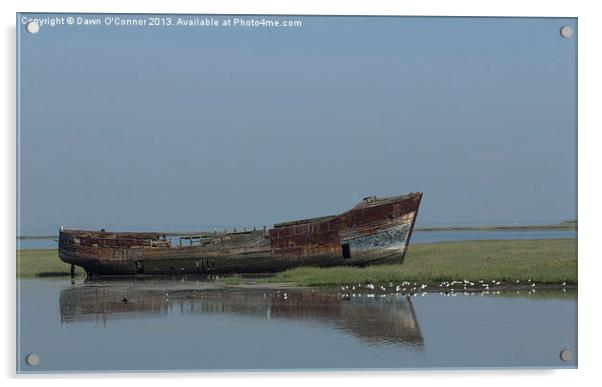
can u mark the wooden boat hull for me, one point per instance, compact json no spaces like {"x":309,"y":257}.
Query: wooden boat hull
{"x":374,"y":231}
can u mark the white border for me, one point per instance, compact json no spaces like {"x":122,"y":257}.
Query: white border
{"x":589,"y":31}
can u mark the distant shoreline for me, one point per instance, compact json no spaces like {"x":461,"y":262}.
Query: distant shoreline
{"x":566,"y":225}
{"x":531,"y":227}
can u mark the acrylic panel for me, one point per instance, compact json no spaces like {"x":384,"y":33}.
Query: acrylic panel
{"x":289,"y":192}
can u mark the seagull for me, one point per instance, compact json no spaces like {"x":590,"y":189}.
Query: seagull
{"x":370,"y":286}
{"x":564,"y":283}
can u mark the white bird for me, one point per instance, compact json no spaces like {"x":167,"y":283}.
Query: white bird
{"x":533,"y":285}
{"x":564,"y":283}
{"x":370,"y":286}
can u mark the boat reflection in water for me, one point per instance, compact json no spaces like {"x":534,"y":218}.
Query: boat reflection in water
{"x":370,"y":317}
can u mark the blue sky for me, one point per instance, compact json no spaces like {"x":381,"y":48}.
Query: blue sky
{"x":179,"y":128}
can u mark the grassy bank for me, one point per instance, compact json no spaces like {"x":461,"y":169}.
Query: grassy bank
{"x":543,"y":261}
{"x":42,"y":263}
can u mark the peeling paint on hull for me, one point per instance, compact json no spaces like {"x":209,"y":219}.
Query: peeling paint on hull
{"x":389,"y":243}
{"x":376,"y":230}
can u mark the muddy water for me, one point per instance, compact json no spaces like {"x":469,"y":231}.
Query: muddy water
{"x":195,"y":325}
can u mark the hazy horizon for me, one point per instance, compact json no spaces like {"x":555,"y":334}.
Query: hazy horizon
{"x":177,"y":129}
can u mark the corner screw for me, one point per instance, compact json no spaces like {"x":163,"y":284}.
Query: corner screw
{"x":32,"y":360}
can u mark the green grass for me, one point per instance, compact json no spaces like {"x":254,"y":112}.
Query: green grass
{"x":235,"y":279}
{"x":43,"y":263}
{"x":544,"y":261}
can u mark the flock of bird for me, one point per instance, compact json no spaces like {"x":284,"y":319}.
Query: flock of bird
{"x":447,"y":288}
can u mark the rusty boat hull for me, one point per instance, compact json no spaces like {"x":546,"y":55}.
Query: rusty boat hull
{"x":376,"y":230}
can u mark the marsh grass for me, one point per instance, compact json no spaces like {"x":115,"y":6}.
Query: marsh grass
{"x":235,"y":279}
{"x":43,"y":263}
{"x":543,"y":261}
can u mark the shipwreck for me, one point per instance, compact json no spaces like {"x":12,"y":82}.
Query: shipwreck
{"x":376,"y":230}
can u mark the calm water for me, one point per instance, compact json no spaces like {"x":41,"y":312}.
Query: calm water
{"x":192,"y":325}
{"x":417,"y":237}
